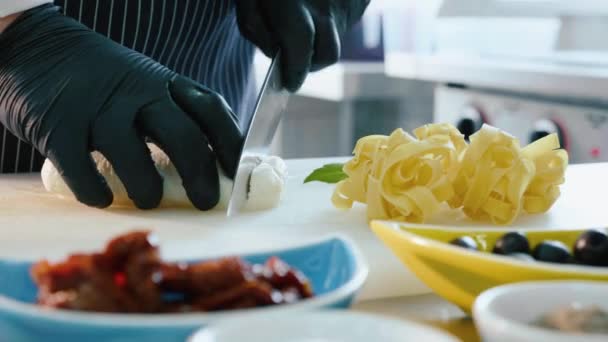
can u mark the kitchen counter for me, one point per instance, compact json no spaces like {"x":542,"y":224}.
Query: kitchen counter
{"x":342,"y":81}
{"x":35,"y":224}
{"x":351,"y":80}
{"x":575,"y":75}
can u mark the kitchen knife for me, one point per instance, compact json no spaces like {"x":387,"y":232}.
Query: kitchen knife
{"x":267,"y":114}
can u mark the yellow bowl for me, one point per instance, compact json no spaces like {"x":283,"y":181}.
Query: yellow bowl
{"x":460,"y":275}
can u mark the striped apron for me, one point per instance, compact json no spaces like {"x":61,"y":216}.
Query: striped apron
{"x":196,"y":38}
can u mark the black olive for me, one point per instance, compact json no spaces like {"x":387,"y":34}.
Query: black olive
{"x":591,"y":248}
{"x":521,"y":256}
{"x":513,"y":242}
{"x":552,"y":251}
{"x":465,"y":242}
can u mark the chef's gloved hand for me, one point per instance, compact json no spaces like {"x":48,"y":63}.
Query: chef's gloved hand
{"x":68,"y":90}
{"x":308,"y":32}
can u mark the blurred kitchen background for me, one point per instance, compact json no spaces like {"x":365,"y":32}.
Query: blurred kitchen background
{"x":531,"y":67}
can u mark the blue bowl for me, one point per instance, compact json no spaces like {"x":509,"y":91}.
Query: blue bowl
{"x":334,"y":266}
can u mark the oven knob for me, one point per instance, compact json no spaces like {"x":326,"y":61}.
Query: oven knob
{"x":544,"y":127}
{"x":471,"y":120}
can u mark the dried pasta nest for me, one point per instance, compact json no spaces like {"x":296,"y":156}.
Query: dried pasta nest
{"x":407,"y":178}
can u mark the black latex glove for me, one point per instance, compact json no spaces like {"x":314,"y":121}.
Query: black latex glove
{"x":68,"y":90}
{"x":307,"y":31}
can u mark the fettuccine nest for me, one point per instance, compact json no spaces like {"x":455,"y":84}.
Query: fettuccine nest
{"x":402,"y":177}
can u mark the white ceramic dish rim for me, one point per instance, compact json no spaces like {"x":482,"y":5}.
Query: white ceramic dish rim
{"x":188,"y":319}
{"x":420,"y":240}
{"x":482,"y":312}
{"x":332,"y":314}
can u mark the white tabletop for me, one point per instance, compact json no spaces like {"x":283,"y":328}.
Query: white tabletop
{"x":34,"y":224}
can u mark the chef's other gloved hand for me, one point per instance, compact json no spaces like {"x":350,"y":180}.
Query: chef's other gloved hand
{"x":68,"y":90}
{"x":307,"y":31}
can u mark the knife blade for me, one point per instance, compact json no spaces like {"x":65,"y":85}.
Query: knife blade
{"x":267,"y":114}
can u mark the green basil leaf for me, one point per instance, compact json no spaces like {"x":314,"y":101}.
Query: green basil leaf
{"x":330,"y":173}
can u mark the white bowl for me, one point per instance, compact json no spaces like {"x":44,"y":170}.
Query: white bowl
{"x":505,"y":313}
{"x":320,"y":326}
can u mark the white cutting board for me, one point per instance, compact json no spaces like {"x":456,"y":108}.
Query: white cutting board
{"x":34,"y":224}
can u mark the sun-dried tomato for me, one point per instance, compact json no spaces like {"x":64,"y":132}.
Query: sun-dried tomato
{"x":129,"y":276}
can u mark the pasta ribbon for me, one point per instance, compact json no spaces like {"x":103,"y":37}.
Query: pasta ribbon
{"x":493,"y":177}
{"x":402,"y":177}
{"x":551,"y":164}
{"x":359,"y":169}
